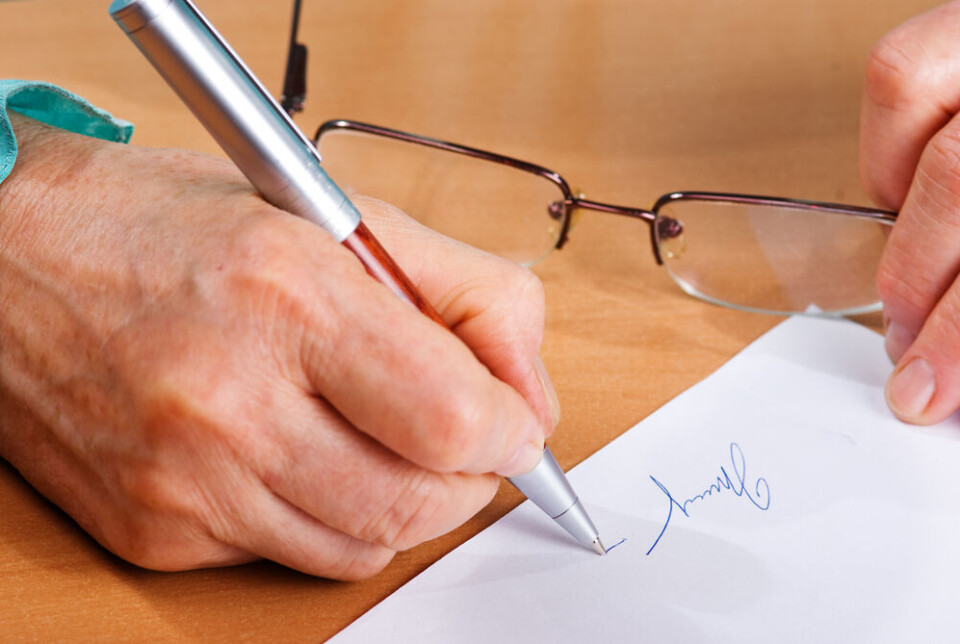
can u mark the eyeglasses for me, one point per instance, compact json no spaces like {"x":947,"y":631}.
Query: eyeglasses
{"x":754,"y":253}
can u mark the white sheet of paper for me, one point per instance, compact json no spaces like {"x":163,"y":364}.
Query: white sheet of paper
{"x":828,"y":521}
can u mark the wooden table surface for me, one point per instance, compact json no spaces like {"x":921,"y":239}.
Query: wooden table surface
{"x":627,"y":98}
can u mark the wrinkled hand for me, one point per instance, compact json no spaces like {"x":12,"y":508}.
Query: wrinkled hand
{"x":910,"y":161}
{"x":200,"y":379}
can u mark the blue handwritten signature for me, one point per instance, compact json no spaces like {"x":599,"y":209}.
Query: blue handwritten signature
{"x":759,"y":497}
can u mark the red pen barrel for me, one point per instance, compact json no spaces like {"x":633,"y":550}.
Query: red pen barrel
{"x":546,"y":484}
{"x":382,"y":268}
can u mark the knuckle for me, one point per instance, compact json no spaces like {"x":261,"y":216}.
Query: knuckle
{"x":137,"y":541}
{"x":896,"y":71}
{"x":890,"y":284}
{"x":380,"y":212}
{"x":904,"y":292}
{"x":947,"y":326}
{"x":268,"y":276}
{"x":531,"y":293}
{"x":424,"y":505}
{"x":173,"y":400}
{"x":400,"y":520}
{"x":520,"y":309}
{"x":527,"y":289}
{"x":151,"y":490}
{"x":357,"y":566}
{"x":948,"y":321}
{"x":184,"y":403}
{"x":456,"y":432}
{"x":140,"y":549}
{"x":938,"y":177}
{"x":168,"y":522}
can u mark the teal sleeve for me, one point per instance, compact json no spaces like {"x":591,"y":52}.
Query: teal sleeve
{"x":53,"y":106}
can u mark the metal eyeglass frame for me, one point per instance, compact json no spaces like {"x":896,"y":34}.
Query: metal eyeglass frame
{"x":661,"y":227}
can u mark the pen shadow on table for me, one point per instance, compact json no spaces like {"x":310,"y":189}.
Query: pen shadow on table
{"x":683,"y":570}
{"x":688,"y":573}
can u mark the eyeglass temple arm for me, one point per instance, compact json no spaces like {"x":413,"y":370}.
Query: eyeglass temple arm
{"x":295,"y":77}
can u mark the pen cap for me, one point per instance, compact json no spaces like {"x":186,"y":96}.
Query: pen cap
{"x":234,"y":107}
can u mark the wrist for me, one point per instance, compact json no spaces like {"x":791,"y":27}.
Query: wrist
{"x":56,"y":107}
{"x":44,"y":156}
{"x":31,"y":197}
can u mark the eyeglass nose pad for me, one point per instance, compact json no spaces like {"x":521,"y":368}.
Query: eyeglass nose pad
{"x":558,"y":209}
{"x":670,"y":237}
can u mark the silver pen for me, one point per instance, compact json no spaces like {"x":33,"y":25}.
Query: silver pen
{"x":284,"y":166}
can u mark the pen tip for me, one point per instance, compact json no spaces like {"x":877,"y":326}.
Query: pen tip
{"x":598,"y":547}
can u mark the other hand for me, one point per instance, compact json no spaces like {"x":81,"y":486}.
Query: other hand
{"x":910,"y":161}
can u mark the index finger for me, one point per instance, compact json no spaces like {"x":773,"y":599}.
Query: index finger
{"x":495,"y":306}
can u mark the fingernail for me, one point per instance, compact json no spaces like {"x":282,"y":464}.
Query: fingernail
{"x":897,"y":340}
{"x":524,"y":460}
{"x":553,"y":402}
{"x":911,"y":388}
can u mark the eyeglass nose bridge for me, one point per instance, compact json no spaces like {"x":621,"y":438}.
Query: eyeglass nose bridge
{"x":568,"y":212}
{"x":660,"y":226}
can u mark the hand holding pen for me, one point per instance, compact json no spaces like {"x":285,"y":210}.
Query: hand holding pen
{"x":220,"y":374}
{"x":284,"y":167}
{"x":201,"y":379}
{"x":195,"y":369}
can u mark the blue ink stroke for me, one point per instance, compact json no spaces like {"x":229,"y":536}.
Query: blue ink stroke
{"x":614,"y":545}
{"x":760,"y":497}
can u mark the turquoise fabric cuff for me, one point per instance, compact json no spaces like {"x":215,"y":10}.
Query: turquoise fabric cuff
{"x":53,"y":106}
